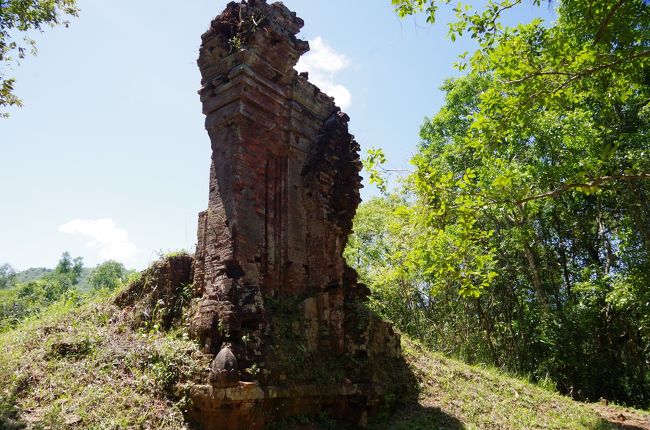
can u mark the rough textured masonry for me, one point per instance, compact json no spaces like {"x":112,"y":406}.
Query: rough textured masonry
{"x":276,"y":303}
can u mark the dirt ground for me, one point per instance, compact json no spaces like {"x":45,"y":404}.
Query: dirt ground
{"x":623,"y":418}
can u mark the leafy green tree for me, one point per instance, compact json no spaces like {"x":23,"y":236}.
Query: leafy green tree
{"x":55,"y":284}
{"x":597,"y":50}
{"x":68,"y":268}
{"x":378,"y":249}
{"x":109,"y":275}
{"x":531,"y":189}
{"x":17,"y":19}
{"x":7,"y":276}
{"x":559,"y":264}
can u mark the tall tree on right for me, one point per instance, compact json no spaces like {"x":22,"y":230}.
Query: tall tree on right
{"x":532,"y":187}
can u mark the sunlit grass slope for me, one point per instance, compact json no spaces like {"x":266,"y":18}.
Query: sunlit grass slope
{"x":456,"y":396}
{"x":87,"y":368}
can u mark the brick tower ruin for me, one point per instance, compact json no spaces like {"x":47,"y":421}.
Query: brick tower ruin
{"x":276,"y":302}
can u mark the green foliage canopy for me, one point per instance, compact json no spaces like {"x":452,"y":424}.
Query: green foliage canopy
{"x":18,"y":18}
{"x":109,"y":275}
{"x":529,"y":239}
{"x":543,"y":111}
{"x":68,"y":269}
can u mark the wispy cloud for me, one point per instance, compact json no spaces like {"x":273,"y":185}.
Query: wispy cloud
{"x":111,"y":242}
{"x":323,"y":63}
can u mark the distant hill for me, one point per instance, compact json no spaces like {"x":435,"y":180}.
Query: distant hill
{"x":32,"y":274}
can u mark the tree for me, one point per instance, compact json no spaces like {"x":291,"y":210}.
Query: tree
{"x":69,"y":268}
{"x":17,"y":19}
{"x":109,"y":275}
{"x":596,"y":58}
{"x":531,"y":188}
{"x":377,"y":249}
{"x":7,"y":276}
{"x":569,"y":272}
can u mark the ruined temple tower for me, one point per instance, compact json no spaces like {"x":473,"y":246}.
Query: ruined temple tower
{"x":276,"y":303}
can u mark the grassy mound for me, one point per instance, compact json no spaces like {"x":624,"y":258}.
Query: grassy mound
{"x":86,"y":367}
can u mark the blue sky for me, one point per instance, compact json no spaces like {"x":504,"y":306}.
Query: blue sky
{"x":109,"y":158}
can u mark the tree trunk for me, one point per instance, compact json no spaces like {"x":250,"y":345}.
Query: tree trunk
{"x":537,"y":280}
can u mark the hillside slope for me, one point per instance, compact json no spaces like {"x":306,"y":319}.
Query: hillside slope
{"x":454,"y":396}
{"x":85,"y":367}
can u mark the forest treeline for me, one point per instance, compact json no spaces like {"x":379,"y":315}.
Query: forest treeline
{"x":522,"y":237}
{"x":28,"y":293}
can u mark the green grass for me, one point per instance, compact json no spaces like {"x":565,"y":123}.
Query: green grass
{"x":86,"y":367}
{"x":456,"y":396}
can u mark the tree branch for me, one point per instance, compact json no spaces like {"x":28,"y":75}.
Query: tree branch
{"x":594,"y":183}
{"x":579,"y":74}
{"x":608,"y":18}
{"x":536,"y":74}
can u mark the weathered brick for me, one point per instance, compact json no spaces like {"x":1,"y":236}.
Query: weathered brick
{"x":269,"y":270}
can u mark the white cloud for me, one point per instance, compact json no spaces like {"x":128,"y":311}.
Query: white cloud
{"x":322,"y":63}
{"x":112,"y":242}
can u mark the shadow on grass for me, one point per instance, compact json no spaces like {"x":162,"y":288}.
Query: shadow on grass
{"x":609,"y":425}
{"x":417,"y":417}
{"x":405,"y":412}
{"x":414,"y":416}
{"x":9,"y":415}
{"x":411,"y":417}
{"x":9,"y":419}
